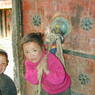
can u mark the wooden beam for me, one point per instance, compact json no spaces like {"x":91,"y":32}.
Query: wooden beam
{"x":16,"y":37}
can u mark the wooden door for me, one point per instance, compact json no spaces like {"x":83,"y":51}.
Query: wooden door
{"x":79,"y":44}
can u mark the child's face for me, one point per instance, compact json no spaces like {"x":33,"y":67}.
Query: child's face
{"x":32,"y":51}
{"x":3,"y":63}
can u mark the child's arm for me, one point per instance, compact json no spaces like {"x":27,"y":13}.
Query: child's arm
{"x":30,"y":89}
{"x":56,"y":73}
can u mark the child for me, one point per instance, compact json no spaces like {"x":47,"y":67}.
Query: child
{"x":7,"y":86}
{"x":43,"y":68}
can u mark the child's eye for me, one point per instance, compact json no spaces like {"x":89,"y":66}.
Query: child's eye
{"x":2,"y":63}
{"x":26,"y":52}
{"x":34,"y":50}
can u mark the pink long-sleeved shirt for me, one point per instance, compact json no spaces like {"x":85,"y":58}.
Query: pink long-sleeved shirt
{"x":56,"y":81}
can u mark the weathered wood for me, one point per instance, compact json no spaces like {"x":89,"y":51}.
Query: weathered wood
{"x":17,"y":52}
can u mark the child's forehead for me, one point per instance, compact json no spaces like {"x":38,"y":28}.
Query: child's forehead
{"x":2,"y":56}
{"x":2,"y":59}
{"x":31,"y":45}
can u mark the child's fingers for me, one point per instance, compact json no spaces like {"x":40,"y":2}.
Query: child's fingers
{"x":46,"y":71}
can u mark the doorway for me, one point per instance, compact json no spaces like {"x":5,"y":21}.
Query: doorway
{"x":6,"y":37}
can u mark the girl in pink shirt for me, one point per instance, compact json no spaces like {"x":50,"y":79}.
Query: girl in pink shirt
{"x":42,"y":69}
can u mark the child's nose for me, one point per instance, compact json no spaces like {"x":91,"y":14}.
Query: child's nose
{"x":31,"y":54}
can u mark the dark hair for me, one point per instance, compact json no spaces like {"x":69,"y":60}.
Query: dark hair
{"x":2,"y":52}
{"x":33,"y":37}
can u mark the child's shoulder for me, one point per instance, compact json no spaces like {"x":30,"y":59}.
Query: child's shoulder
{"x":52,"y":56}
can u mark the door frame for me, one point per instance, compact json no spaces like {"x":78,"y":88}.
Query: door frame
{"x":17,"y":33}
